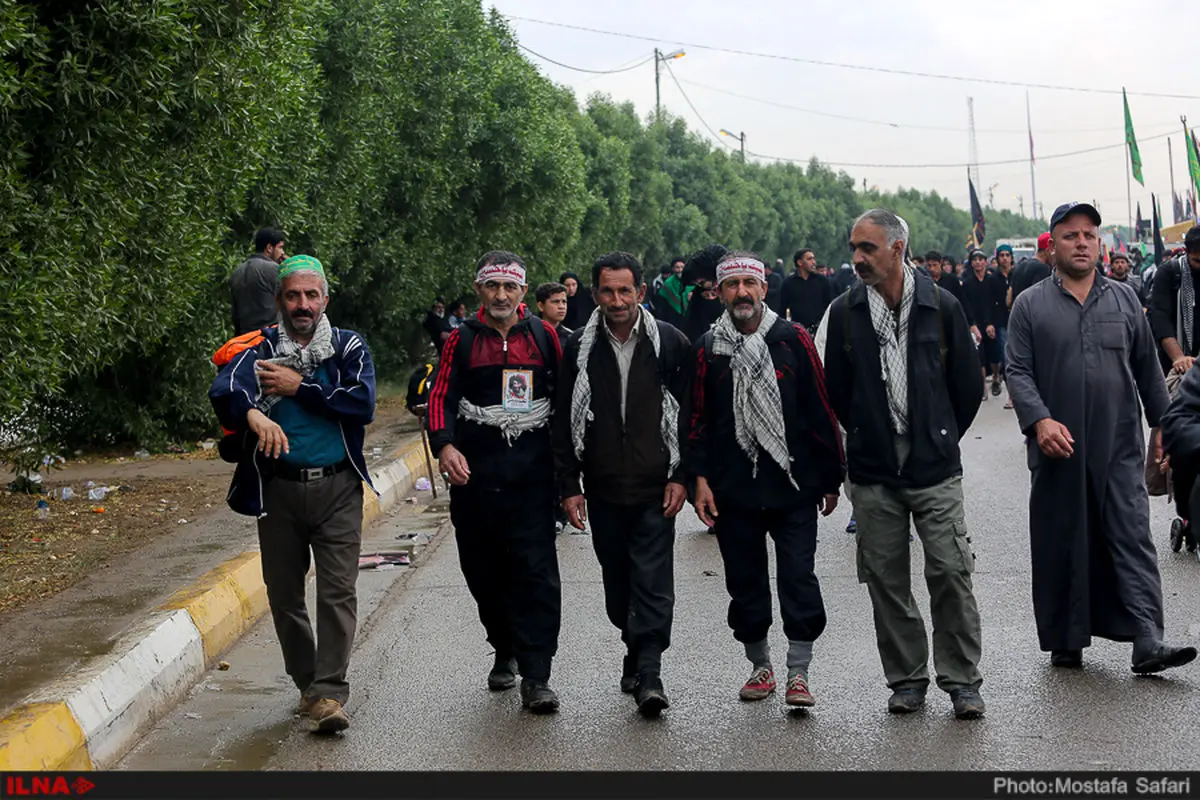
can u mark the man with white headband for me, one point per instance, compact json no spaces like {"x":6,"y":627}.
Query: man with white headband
{"x":764,"y":450}
{"x":905,"y":381}
{"x":489,"y":427}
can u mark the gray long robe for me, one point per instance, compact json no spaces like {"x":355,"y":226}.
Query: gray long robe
{"x":1095,"y":570}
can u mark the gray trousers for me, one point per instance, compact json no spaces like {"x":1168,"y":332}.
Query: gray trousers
{"x":884,"y":566}
{"x":326,"y":517}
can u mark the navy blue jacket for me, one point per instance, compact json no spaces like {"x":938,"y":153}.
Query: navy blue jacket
{"x":350,"y":400}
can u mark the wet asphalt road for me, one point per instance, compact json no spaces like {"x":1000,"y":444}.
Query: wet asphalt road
{"x":420,"y":702}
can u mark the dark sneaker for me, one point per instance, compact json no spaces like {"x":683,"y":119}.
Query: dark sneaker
{"x":629,"y":677}
{"x":538,"y":697}
{"x":798,"y":695}
{"x":995,"y":387}
{"x":503,"y":675}
{"x":852,"y":527}
{"x":1162,"y":657}
{"x":1067,"y":659}
{"x":906,"y":701}
{"x":328,"y":716}
{"x":968,"y":704}
{"x":761,"y":684}
{"x":651,"y":698}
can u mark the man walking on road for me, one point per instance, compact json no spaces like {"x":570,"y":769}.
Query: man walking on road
{"x":253,"y":284}
{"x":806,"y":294}
{"x":1080,"y":358}
{"x":299,"y":401}
{"x":764,"y":449}
{"x":984,"y":294}
{"x":489,"y":427}
{"x":905,"y":382}
{"x":617,"y":423}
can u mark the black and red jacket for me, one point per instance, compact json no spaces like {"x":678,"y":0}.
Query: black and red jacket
{"x":711,"y":449}
{"x":478,"y":376}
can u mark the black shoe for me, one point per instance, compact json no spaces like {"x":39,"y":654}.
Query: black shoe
{"x":651,"y":698}
{"x":906,"y":701}
{"x":1163,"y":656}
{"x":503,"y":675}
{"x":968,"y":704}
{"x":995,"y":388}
{"x":629,"y":677}
{"x":538,"y":697}
{"x":1067,"y":659}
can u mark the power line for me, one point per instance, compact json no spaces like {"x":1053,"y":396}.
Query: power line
{"x":581,"y":69}
{"x":859,"y":67}
{"x":691,"y":105}
{"x":963,"y":165}
{"x":887,"y":124}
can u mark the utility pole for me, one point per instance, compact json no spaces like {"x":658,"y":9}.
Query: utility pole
{"x":657,"y":85}
{"x":741,"y":138}
{"x":1032,"y":180}
{"x":972,"y":147}
{"x":659,"y":60}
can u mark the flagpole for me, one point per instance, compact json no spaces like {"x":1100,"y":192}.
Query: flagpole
{"x":1128,"y":186}
{"x":1171,"y":166}
{"x":1032,"y":180}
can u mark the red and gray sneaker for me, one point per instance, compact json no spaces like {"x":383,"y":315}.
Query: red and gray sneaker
{"x":798,"y":694}
{"x":761,"y":684}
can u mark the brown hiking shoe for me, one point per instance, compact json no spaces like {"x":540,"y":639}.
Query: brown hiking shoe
{"x":328,"y":716}
{"x":306,"y":705}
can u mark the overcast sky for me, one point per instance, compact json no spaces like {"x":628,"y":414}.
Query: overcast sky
{"x":1102,"y":44}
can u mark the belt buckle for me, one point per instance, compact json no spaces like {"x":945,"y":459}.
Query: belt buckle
{"x":314,"y":473}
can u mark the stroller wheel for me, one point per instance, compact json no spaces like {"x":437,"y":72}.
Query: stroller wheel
{"x":1176,"y":535}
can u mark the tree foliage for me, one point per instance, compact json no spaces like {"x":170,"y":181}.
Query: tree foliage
{"x":143,"y":143}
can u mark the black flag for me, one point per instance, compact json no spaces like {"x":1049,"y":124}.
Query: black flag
{"x":978,"y":229}
{"x":1160,"y":249}
{"x":1137,"y":230}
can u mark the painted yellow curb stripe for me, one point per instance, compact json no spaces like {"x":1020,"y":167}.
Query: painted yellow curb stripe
{"x":413,"y":456}
{"x":224,"y":603}
{"x":42,"y":736}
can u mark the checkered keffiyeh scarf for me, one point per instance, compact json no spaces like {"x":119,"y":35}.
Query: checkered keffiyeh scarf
{"x":581,"y":394}
{"x":1185,"y":318}
{"x":303,"y":359}
{"x":757,"y":406}
{"x":893,"y":347}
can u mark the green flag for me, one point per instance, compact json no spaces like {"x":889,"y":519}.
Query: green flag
{"x":1135,"y":157}
{"x":1193,"y":148}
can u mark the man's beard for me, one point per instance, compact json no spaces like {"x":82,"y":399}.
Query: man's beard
{"x":745,"y":310}
{"x":501,"y":314}
{"x":290,"y":322}
{"x":1073,"y":271}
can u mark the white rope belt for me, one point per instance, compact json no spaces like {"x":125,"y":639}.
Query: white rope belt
{"x":511,"y":423}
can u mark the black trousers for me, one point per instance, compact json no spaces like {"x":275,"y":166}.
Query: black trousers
{"x":1184,"y":479}
{"x":636,"y":548}
{"x":742,"y":537}
{"x":506,"y":547}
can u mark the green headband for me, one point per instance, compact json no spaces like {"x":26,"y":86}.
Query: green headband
{"x":294,"y":264}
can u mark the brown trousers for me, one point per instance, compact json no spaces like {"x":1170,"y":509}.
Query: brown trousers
{"x":321,"y":519}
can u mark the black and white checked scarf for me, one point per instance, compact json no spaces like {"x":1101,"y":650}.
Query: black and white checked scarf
{"x":757,"y":406}
{"x":893,"y":347}
{"x":581,"y":394}
{"x":304,"y":360}
{"x":1185,"y":318}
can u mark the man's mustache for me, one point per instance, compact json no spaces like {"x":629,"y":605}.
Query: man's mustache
{"x":302,"y":314}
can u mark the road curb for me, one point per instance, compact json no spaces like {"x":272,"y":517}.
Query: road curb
{"x":90,"y":719}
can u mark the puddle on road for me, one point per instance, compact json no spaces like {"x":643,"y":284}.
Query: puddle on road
{"x":254,"y":751}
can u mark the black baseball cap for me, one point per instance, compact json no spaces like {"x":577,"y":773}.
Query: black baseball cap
{"x":1067,"y":209}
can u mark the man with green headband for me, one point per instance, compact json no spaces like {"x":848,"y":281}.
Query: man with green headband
{"x":298,"y":402}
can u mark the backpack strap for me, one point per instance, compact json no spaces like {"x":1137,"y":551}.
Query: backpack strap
{"x":549,"y":357}
{"x":941,"y":325}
